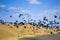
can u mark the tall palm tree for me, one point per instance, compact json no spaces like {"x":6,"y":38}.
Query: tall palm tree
{"x":59,"y":17}
{"x":0,"y":20}
{"x":51,"y":23}
{"x":39,"y":23}
{"x":28,"y":16}
{"x":24,"y":21}
{"x":20,"y":15}
{"x":44,"y":22}
{"x":31,"y":21}
{"x":57,"y":23}
{"x":55,"y":16}
{"x":34,"y":23}
{"x":47,"y":25}
{"x":10,"y":16}
{"x":44,"y":18}
{"x":15,"y":24}
{"x":16,"y":21}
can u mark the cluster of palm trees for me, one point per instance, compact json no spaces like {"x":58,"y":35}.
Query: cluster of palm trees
{"x":2,"y":21}
{"x":52,"y":23}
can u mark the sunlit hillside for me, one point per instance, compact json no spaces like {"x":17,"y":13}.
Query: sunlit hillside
{"x":11,"y":32}
{"x":29,"y":19}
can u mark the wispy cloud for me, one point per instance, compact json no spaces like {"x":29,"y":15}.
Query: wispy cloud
{"x":22,"y":11}
{"x":3,"y":6}
{"x":16,"y":14}
{"x":25,"y":11}
{"x":58,"y":7}
{"x":12,"y":8}
{"x":52,"y":11}
{"x":15,"y":8}
{"x":49,"y":12}
{"x":34,"y":2}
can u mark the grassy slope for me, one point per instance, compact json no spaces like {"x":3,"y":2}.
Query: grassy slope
{"x":11,"y":32}
{"x":6,"y":32}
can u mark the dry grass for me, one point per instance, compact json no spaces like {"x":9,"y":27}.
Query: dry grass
{"x":10,"y":32}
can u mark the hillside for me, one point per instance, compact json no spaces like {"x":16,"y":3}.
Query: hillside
{"x":11,"y":32}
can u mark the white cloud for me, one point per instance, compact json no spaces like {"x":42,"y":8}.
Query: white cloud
{"x":12,"y":8}
{"x":52,"y":11}
{"x":16,"y":14}
{"x":2,"y":5}
{"x":25,"y":11}
{"x":34,"y":2}
{"x":48,"y":12}
{"x":58,"y":7}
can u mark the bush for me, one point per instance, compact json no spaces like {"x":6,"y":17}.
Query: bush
{"x":11,"y":27}
{"x":21,"y":23}
{"x":24,"y":26}
{"x":51,"y":32}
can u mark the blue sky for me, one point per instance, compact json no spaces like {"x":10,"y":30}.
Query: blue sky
{"x":36,"y":8}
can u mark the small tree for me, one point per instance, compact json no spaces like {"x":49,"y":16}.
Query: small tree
{"x":2,"y":21}
{"x":55,"y":16}
{"x":24,"y":21}
{"x":51,"y":23}
{"x":39,"y":23}
{"x":10,"y":16}
{"x":20,"y":15}
{"x":44,"y":18}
